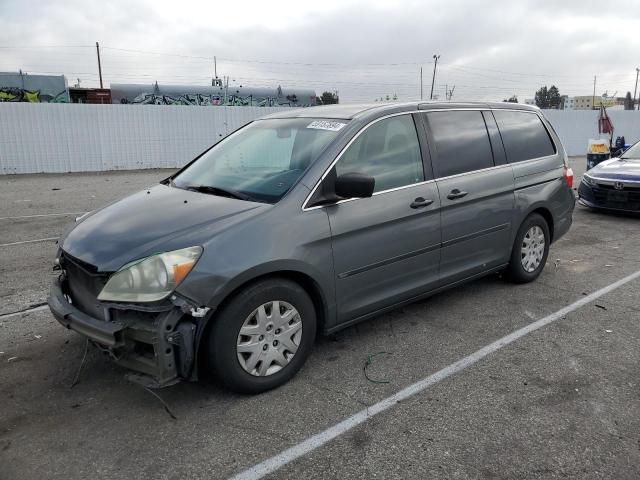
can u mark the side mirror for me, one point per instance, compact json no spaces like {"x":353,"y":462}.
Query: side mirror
{"x":354,"y":185}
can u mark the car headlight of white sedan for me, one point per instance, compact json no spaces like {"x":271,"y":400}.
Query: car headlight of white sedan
{"x":152,"y":278}
{"x":588,"y":180}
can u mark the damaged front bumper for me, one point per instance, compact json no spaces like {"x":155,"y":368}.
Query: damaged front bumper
{"x":157,"y":341}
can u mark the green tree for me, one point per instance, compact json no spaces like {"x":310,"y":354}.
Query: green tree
{"x":542,"y":97}
{"x":512,"y":99}
{"x":628,"y":102}
{"x":548,"y":97}
{"x":327,"y":98}
{"x":554,"y":97}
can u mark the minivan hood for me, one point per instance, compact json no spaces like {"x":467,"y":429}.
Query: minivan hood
{"x":147,"y":222}
{"x":618,"y":169}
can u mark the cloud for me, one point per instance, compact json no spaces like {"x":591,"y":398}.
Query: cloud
{"x":489,"y":50}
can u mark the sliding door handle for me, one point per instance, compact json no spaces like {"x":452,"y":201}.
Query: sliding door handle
{"x":421,"y":203}
{"x":455,"y":194}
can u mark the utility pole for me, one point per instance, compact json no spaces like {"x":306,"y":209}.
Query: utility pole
{"x":215,"y":81}
{"x":593,"y":98}
{"x":633,"y":105}
{"x":433,"y":80}
{"x":421,"y":83}
{"x":446,"y":92}
{"x":99,"y":64}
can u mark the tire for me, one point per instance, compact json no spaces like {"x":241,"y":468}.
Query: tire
{"x":238,"y":361}
{"x":534,"y":226}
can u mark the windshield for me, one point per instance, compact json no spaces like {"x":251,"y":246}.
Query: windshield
{"x":633,"y":152}
{"x":262,"y":161}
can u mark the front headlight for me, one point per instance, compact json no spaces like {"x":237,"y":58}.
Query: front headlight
{"x":150,"y":279}
{"x":588,"y":180}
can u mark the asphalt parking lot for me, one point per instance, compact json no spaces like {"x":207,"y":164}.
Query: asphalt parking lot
{"x":560,"y":402}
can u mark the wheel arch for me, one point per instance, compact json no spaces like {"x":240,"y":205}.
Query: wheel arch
{"x":526,"y":209}
{"x":310,"y":285}
{"x":547,"y":215}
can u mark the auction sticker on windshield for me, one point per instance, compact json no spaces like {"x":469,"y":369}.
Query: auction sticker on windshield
{"x":326,"y":125}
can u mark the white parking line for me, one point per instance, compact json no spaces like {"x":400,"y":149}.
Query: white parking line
{"x":310,"y":444}
{"x":42,"y":215}
{"x":28,"y":241}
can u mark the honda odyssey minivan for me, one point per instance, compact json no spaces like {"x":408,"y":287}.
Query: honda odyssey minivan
{"x":310,"y":220}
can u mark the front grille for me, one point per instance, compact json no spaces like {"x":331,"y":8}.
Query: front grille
{"x":619,"y":199}
{"x":627,"y":187}
{"x":85,"y":284}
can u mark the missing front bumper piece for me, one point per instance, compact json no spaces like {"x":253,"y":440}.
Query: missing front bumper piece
{"x":157,"y":342}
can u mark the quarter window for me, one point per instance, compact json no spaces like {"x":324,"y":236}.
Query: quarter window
{"x":523,"y":135}
{"x":388,"y":151}
{"x":461,"y":142}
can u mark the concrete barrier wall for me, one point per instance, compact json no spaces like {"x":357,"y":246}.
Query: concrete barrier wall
{"x":38,"y":138}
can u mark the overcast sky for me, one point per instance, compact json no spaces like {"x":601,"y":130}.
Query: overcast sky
{"x":364,"y":49}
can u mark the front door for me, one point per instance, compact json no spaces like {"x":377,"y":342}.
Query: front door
{"x":386,"y":248}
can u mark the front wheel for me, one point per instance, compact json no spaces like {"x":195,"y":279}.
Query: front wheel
{"x":262,"y":337}
{"x":530,"y":250}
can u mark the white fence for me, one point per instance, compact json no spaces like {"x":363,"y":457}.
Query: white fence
{"x":70,"y":138}
{"x":576,"y":127}
{"x":42,"y":137}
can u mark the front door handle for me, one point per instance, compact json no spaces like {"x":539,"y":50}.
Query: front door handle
{"x":421,"y":203}
{"x":455,"y":194}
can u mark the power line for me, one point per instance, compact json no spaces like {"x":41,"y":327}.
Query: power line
{"x":130,"y":65}
{"x":231,"y":60}
{"x":464,"y":67}
{"x":43,"y":46}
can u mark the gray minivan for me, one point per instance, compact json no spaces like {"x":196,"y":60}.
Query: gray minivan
{"x":305,"y":221}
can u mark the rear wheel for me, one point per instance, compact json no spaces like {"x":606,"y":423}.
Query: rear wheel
{"x":262,"y":337}
{"x":530,"y":250}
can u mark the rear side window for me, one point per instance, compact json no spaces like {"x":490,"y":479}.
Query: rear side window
{"x":523,"y":135}
{"x":461,"y":142}
{"x":388,"y":151}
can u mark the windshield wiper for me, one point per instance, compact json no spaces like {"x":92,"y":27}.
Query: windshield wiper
{"x":219,"y":191}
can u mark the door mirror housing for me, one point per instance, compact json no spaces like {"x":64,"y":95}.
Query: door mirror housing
{"x":354,"y":185}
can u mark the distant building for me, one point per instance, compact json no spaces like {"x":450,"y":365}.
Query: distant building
{"x":24,"y":87}
{"x":90,"y":95}
{"x":589,"y":102}
{"x":156,"y":94}
{"x":580,"y":102}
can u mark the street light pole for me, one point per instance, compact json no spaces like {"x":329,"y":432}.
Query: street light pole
{"x":433,"y":80}
{"x":633,"y":105}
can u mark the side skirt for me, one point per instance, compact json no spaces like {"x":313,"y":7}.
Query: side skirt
{"x":422,"y":296}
